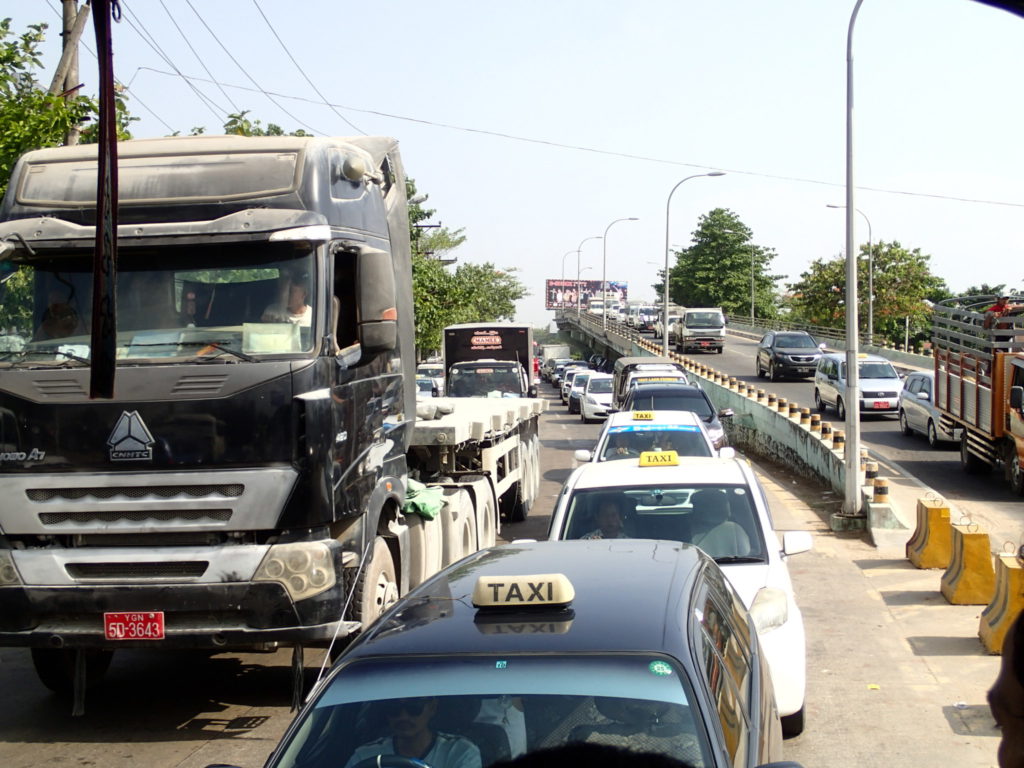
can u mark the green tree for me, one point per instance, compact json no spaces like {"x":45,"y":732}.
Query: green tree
{"x":903,"y":285}
{"x":239,"y":125}
{"x":30,"y":117}
{"x":717,"y":270}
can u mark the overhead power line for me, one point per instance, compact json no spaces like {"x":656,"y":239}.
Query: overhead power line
{"x":243,"y":70}
{"x":302,"y":72}
{"x":611,"y":153}
{"x":198,"y":57}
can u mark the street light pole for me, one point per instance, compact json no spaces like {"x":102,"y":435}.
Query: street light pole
{"x":871,"y":275}
{"x":579,"y":293}
{"x":664,"y":307}
{"x":851,"y":454}
{"x":604,"y":271}
{"x":752,"y":251}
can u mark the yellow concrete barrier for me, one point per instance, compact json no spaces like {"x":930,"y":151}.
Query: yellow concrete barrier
{"x":930,"y":546}
{"x":970,"y":578}
{"x":1006,"y":604}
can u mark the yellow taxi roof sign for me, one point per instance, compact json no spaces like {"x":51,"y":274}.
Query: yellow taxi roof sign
{"x":659,"y":459}
{"x":523,"y":591}
{"x":643,"y":415}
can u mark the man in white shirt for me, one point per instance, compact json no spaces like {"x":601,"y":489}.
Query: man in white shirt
{"x":412,"y":736}
{"x":292,"y":307}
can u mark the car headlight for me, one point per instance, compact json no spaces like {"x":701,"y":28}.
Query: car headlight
{"x":591,"y":400}
{"x":304,"y":568}
{"x":9,"y":576}
{"x":770,"y":609}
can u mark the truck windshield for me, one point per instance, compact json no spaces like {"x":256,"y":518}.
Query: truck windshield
{"x":212,"y":302}
{"x":487,"y":379}
{"x":704,"y":320}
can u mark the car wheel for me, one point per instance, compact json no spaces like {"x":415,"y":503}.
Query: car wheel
{"x":905,"y":425}
{"x":772,"y":376}
{"x":818,"y":402}
{"x":840,"y":409}
{"x":757,"y":368}
{"x":933,"y":435}
{"x":793,"y":725}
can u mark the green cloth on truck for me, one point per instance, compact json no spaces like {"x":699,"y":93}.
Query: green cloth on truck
{"x":422,"y":500}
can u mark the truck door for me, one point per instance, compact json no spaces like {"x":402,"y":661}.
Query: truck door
{"x":1014,"y":417}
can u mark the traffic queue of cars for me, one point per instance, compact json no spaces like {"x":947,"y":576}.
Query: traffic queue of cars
{"x":658,"y":619}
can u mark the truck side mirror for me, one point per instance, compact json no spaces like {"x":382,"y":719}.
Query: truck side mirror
{"x":377,"y":304}
{"x":1017,"y":398}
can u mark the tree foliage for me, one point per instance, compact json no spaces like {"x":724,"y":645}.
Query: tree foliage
{"x":903,"y":285}
{"x":716,"y":271}
{"x":239,"y":125}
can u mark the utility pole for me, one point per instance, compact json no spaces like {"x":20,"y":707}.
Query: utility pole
{"x":65,"y":78}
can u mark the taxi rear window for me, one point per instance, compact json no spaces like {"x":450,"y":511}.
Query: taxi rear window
{"x":629,"y":441}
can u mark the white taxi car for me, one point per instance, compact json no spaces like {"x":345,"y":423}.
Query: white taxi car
{"x":720,"y":506}
{"x":627,"y":434}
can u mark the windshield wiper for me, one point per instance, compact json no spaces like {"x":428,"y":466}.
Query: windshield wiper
{"x":220,"y":346}
{"x":728,"y":559}
{"x":19,"y":357}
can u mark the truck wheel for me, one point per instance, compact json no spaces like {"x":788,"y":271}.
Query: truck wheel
{"x":971,"y":464}
{"x":55,"y":667}
{"x":1014,"y":470}
{"x":535,"y":459}
{"x":378,"y":587}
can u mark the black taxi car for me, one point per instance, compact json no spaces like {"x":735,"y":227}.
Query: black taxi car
{"x":637,"y":645}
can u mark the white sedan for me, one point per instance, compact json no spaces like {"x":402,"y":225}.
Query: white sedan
{"x":718,"y":505}
{"x":627,"y":434}
{"x":596,"y":398}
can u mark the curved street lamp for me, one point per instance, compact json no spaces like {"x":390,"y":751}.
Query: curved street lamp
{"x":871,"y":275}
{"x":604,"y":271}
{"x":668,"y":203}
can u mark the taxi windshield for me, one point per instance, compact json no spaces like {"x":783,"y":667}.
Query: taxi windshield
{"x":720,"y":519}
{"x":630,"y":440}
{"x":477,"y":710}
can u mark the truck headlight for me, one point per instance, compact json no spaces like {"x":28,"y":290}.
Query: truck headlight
{"x":770,"y":609}
{"x":9,"y":576}
{"x":304,"y":568}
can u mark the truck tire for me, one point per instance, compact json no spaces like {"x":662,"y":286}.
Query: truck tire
{"x":1014,"y":470}
{"x":377,"y":589}
{"x":55,"y":667}
{"x":458,"y":526}
{"x":535,"y":455}
{"x":486,"y":514}
{"x":971,"y":464}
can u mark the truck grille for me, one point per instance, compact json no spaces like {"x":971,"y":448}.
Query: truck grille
{"x":136,"y":516}
{"x":231,"y":490}
{"x":123,"y":571}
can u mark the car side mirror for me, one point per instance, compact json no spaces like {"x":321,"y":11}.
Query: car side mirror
{"x":823,"y":346}
{"x":924,"y":396}
{"x":582,"y":455}
{"x":795,"y":542}
{"x":726,"y":413}
{"x":727,"y":452}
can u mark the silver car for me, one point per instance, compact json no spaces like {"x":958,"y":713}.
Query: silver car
{"x":918,"y":412}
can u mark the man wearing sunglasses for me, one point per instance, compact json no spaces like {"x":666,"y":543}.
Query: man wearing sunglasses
{"x":412,"y":736}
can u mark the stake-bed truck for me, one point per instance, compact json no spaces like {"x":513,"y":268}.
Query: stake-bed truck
{"x":979,"y":383}
{"x":248,"y":480}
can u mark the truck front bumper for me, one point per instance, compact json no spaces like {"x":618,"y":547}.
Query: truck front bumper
{"x":210,"y":616}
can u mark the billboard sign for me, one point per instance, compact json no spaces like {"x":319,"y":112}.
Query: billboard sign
{"x":564,"y":294}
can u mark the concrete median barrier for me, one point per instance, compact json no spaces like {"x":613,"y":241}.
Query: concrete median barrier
{"x":1006,"y":604}
{"x":930,"y":546}
{"x":970,"y":578}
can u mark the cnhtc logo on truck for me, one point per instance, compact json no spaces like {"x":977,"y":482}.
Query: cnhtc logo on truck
{"x":130,"y":440}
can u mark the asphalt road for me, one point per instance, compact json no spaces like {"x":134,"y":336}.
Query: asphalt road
{"x":895,"y":676}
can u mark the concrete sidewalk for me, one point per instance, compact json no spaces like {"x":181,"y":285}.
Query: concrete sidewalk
{"x":896,"y":675}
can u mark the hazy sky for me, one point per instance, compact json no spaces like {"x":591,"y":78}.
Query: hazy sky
{"x":602,"y":107}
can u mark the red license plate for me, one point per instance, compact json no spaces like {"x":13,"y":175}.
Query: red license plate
{"x":134,"y":626}
{"x":880,"y":404}
{"x":705,"y":343}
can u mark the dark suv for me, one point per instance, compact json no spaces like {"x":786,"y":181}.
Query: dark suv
{"x":680,"y":397}
{"x":787,"y":353}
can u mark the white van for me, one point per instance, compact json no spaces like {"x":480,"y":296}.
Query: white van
{"x":878,"y":384}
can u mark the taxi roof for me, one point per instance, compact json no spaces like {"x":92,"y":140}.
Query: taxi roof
{"x":630,"y":595}
{"x":690,"y":469}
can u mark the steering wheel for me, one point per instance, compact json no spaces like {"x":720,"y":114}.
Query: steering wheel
{"x":391,"y":761}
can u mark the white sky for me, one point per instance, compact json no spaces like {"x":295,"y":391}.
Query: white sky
{"x":752,"y":87}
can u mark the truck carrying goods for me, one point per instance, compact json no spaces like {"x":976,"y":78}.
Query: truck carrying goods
{"x":246,"y":486}
{"x":489,"y":360}
{"x":979,"y":382}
